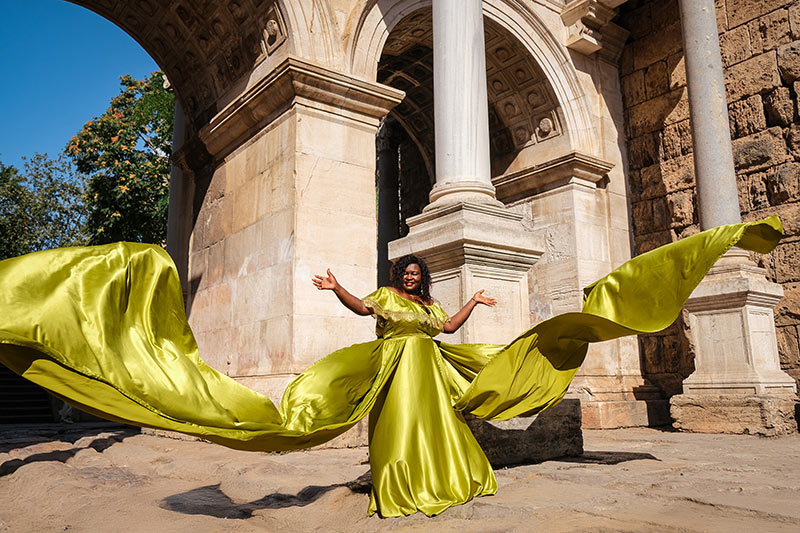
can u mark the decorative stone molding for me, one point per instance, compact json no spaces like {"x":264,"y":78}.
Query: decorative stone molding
{"x":589,"y":27}
{"x":468,"y":232}
{"x":575,"y":167}
{"x":192,"y":157}
{"x":274,"y":33}
{"x":296,"y":81}
{"x":471,"y":246}
{"x":613,"y":40}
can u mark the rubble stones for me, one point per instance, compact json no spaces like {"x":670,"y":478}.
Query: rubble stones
{"x":779,"y":107}
{"x":789,"y":61}
{"x":770,"y":31}
{"x":755,"y":75}
{"x":747,"y":116}
{"x":735,"y":46}
{"x":760,"y":150}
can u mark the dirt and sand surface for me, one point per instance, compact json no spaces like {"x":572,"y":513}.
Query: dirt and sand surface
{"x":110,"y":478}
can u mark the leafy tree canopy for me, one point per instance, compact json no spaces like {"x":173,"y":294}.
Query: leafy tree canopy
{"x":125,"y":152}
{"x":40,"y":207}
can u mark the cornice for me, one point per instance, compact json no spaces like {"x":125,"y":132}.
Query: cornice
{"x":296,"y":81}
{"x":573,"y":167}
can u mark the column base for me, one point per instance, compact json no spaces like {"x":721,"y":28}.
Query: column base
{"x":611,"y":402}
{"x":458,"y":192}
{"x":548,"y":435}
{"x":762,"y":415}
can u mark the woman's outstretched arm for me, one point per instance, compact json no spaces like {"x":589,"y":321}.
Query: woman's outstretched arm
{"x":351,"y":302}
{"x":458,"y":319}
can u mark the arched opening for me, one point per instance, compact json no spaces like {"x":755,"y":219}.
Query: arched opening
{"x":525,"y":120}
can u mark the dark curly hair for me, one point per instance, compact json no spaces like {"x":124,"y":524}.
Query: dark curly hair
{"x":399,"y":268}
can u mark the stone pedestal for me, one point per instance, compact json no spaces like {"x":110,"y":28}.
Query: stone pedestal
{"x":767,"y":416}
{"x":738,"y":385}
{"x":469,"y":247}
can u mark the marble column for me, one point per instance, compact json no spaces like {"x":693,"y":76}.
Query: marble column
{"x":738,"y":385}
{"x":388,"y":194}
{"x":179,"y":200}
{"x":469,"y":239}
{"x":461,"y":109}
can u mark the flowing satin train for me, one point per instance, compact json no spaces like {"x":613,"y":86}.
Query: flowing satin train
{"x":104,"y":329}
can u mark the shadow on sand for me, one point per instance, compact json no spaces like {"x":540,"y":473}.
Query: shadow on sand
{"x":211,"y":501}
{"x":99,"y":444}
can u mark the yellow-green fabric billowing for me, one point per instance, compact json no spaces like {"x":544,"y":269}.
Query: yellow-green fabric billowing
{"x":104,"y":328}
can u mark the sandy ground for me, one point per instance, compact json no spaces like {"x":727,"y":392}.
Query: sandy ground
{"x":106,"y":478}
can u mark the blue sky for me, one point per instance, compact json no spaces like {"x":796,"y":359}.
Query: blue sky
{"x":60,"y":66}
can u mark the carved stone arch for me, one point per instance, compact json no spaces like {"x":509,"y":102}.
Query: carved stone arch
{"x":554,"y":60}
{"x":206,"y":49}
{"x":380,"y":16}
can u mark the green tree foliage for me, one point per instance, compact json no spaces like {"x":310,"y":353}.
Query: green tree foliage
{"x":41,"y":207}
{"x":125,"y":152}
{"x":14,"y":199}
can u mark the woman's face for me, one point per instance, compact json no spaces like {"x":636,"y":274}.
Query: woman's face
{"x":412,"y":278}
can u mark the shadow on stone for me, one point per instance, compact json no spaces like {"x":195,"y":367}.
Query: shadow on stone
{"x":608,"y":458}
{"x":553,"y":433}
{"x":797,"y":415}
{"x":211,"y":501}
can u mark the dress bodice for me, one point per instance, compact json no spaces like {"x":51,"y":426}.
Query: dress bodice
{"x":396,"y":316}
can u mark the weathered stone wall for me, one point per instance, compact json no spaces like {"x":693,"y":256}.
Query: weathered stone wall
{"x":760,"y":42}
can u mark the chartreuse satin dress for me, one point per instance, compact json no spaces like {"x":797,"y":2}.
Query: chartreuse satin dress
{"x":104,"y":329}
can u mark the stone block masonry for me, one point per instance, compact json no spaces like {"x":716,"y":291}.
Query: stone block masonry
{"x":760,"y":42}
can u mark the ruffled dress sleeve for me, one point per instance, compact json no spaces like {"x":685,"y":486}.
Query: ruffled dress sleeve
{"x":378,"y":302}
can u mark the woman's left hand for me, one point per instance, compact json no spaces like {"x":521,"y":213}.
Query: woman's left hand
{"x":485,"y":300}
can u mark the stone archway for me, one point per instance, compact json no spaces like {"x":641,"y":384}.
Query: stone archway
{"x":572,"y":185}
{"x":525,"y":121}
{"x":518,"y":21}
{"x":282,"y":104}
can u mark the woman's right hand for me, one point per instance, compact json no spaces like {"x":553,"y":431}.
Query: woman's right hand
{"x":325,"y":283}
{"x":329,"y":283}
